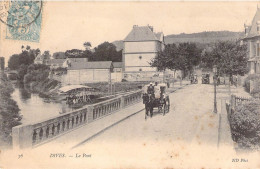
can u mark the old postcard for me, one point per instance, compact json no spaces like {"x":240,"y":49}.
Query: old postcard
{"x":138,"y":84}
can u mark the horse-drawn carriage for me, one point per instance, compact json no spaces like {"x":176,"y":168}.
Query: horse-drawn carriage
{"x":194,"y":79}
{"x":157,"y":99}
{"x":205,"y":78}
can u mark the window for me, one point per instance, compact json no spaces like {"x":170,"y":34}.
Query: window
{"x":140,"y":57}
{"x":140,"y":69}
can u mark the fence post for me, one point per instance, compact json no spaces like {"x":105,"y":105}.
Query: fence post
{"x":122,"y":102}
{"x":22,"y":137}
{"x":90,"y":114}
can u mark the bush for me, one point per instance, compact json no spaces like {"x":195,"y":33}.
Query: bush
{"x":12,"y":77}
{"x":245,"y":124}
{"x":9,"y":111}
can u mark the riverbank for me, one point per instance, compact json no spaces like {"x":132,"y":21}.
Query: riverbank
{"x":9,"y":113}
{"x":46,"y":88}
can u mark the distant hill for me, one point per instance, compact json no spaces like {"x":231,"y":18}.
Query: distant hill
{"x":201,"y":37}
{"x":204,"y":37}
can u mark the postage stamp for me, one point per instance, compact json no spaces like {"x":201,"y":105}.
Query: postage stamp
{"x":22,"y":18}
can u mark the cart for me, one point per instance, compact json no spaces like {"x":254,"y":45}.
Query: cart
{"x":159,"y":100}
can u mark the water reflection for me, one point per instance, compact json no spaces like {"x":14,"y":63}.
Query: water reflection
{"x":34,"y":108}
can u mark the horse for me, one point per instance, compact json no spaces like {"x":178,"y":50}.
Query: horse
{"x":148,"y":100}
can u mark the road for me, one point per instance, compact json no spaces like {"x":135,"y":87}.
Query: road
{"x":165,"y":139}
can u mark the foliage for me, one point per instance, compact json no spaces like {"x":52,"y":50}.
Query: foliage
{"x":9,"y":111}
{"x":26,"y":57}
{"x":12,"y":77}
{"x":245,"y":124}
{"x":182,"y":57}
{"x":106,"y":52}
{"x":36,"y":73}
{"x":87,"y":45}
{"x":22,"y":71}
{"x":229,"y":57}
{"x":59,"y":55}
{"x":74,"y":53}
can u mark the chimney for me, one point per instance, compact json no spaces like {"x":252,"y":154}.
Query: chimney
{"x":246,"y":29}
{"x":150,"y":27}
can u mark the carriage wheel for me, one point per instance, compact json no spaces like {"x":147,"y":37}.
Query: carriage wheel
{"x":165,"y":108}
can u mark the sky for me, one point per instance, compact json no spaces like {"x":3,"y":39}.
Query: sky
{"x":67,"y":25}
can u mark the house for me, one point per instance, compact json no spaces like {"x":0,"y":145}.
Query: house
{"x":58,"y":63}
{"x":141,"y":45}
{"x":117,"y":74}
{"x":64,"y":63}
{"x":42,"y":58}
{"x":252,"y":39}
{"x":87,"y":72}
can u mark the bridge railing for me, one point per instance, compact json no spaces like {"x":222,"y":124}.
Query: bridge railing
{"x":31,"y":135}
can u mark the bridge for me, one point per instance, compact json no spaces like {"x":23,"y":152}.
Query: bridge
{"x":123,"y":115}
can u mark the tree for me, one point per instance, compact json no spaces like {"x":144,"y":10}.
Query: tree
{"x":74,"y":53}
{"x":59,"y":55}
{"x":182,"y":57}
{"x":26,"y":57}
{"x":107,"y":52}
{"x":22,"y":71}
{"x":87,"y":45}
{"x":229,"y":57}
{"x":13,"y":62}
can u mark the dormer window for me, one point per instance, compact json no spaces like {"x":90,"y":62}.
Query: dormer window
{"x":140,"y":57}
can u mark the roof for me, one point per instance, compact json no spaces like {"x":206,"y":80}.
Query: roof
{"x":117,"y":64}
{"x":39,"y":57}
{"x":142,"y":33}
{"x":73,"y":87}
{"x":57,"y":61}
{"x":78,"y":59}
{"x":253,"y":29}
{"x":90,"y":65}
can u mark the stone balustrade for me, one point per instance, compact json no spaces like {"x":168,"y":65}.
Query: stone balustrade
{"x":27,"y":136}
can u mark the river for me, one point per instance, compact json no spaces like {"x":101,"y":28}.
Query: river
{"x":35,"y":108}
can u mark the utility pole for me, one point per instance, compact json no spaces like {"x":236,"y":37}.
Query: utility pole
{"x":215,"y":88}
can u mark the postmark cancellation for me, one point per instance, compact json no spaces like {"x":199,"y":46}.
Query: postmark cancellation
{"x":22,"y":19}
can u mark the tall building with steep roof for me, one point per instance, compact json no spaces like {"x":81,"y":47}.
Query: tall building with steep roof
{"x":141,"y":45}
{"x":252,"y":39}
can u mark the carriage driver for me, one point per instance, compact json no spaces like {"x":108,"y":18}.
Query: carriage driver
{"x":150,"y":89}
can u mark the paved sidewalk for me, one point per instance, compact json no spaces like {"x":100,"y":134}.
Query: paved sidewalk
{"x":225,"y":140}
